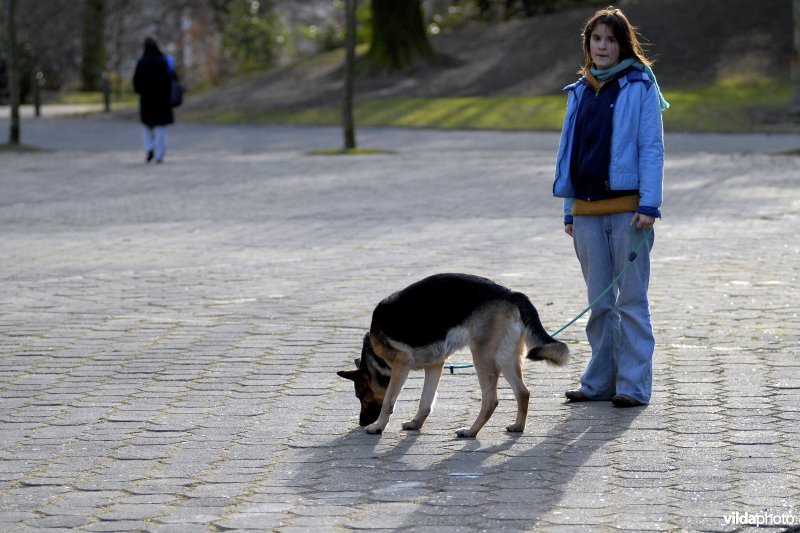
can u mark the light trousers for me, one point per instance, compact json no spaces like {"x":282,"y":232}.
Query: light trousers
{"x":619,"y":329}
{"x":155,"y":139}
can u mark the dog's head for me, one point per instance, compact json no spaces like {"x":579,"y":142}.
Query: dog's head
{"x":370,"y":379}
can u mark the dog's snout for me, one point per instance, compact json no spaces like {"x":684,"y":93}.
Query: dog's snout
{"x":369,"y":414}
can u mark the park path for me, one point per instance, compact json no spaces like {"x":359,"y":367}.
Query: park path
{"x":169,"y":336}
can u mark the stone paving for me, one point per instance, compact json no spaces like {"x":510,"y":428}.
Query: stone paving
{"x":169,"y":336}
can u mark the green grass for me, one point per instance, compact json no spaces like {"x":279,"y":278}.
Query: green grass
{"x":730,"y":106}
{"x":352,"y":151}
{"x":513,"y":112}
{"x":93,"y":97}
{"x":20,"y":148}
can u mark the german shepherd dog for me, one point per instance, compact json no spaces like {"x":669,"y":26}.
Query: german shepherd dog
{"x":420,"y":326}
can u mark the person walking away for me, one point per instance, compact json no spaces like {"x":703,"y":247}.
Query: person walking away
{"x":609,"y":171}
{"x":153,"y":83}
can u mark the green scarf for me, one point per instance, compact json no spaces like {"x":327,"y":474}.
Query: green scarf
{"x":607,"y":74}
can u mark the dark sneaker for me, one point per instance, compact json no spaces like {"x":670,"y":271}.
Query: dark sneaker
{"x":622,"y":400}
{"x":576,"y":395}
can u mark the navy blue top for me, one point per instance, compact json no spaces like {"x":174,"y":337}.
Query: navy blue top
{"x":591,"y":152}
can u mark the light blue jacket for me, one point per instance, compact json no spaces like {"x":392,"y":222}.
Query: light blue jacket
{"x":637,"y":142}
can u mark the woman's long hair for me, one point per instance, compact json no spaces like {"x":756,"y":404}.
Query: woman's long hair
{"x":624,"y":33}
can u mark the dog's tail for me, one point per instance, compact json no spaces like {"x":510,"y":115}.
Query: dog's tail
{"x":542,"y":346}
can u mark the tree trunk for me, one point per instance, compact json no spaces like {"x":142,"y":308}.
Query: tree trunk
{"x":93,"y":53}
{"x":399,"y":38}
{"x":13,"y":70}
{"x":180,"y":49}
{"x":180,"y":57}
{"x":348,"y":124}
{"x":120,"y":14}
{"x":795,"y":68}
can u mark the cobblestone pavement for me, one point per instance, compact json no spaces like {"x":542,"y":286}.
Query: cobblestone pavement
{"x":169,"y":336}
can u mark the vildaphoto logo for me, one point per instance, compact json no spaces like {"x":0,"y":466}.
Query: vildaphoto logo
{"x":760,"y":519}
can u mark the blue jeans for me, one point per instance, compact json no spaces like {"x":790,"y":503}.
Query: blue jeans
{"x":155,"y":140}
{"x":619,"y":329}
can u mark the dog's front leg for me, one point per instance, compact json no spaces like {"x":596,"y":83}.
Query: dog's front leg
{"x":400,"y":369}
{"x":432,"y":376}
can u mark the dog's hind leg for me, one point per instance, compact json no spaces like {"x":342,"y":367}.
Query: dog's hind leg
{"x":512,"y":371}
{"x":432,"y":375}
{"x":401,"y":366}
{"x":487,"y":376}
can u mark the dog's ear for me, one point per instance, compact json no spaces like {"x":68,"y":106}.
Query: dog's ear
{"x":358,"y":362}
{"x":352,"y":375}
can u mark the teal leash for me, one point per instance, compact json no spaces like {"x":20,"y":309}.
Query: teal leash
{"x":631,"y":258}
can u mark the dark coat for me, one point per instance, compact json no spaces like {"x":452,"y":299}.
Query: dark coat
{"x":152,"y":81}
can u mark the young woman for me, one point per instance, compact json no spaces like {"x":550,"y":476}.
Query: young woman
{"x":609,"y":172}
{"x":153,"y":82}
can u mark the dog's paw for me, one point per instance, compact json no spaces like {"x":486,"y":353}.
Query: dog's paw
{"x":465,"y":433}
{"x":412,"y":425}
{"x":515,"y":428}
{"x":374,"y":429}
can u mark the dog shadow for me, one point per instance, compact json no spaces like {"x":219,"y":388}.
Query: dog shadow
{"x":525,"y":475}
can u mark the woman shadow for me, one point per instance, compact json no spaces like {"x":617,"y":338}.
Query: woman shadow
{"x":546,"y":462}
{"x":536,"y":467}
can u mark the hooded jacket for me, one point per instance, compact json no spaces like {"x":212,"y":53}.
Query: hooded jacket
{"x":637,"y":142}
{"x":153,"y":83}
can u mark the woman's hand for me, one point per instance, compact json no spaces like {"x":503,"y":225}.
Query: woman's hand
{"x":642,"y":221}
{"x":568,"y":229}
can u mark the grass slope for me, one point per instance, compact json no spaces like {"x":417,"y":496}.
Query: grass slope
{"x":730,"y":106}
{"x":722,"y":72}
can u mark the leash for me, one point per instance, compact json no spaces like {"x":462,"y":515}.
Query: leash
{"x":631,"y":258}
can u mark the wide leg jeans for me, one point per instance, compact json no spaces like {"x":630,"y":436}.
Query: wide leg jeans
{"x":155,"y":140}
{"x":619,"y":329}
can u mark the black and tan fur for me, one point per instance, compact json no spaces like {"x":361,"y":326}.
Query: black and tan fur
{"x":419,"y":327}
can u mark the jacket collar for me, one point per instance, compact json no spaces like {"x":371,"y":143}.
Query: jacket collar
{"x":631,"y":75}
